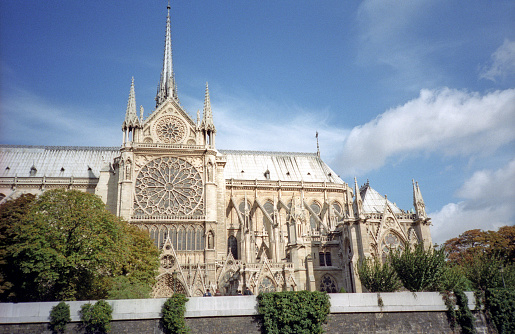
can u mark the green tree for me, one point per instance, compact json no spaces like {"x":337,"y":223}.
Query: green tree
{"x":378,"y":277}
{"x":67,"y":246}
{"x":96,"y":318}
{"x":419,"y":269}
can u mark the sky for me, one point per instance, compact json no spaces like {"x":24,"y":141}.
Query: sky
{"x":397,"y":90}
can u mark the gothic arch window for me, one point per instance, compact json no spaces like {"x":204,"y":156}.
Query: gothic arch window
{"x":163,"y":233}
{"x":269,"y":208}
{"x":181,"y":239}
{"x":391,"y":242}
{"x":189,"y":239}
{"x":172,"y":233}
{"x":337,"y":207}
{"x":232,"y":246}
{"x":199,"y":238}
{"x":315,"y":207}
{"x":328,"y":284}
{"x":266,"y":285}
{"x":154,"y":235}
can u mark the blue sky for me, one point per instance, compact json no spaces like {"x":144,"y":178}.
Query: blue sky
{"x":397,"y":90}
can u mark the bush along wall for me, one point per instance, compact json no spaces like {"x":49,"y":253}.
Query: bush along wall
{"x":59,"y":317}
{"x":96,"y":318}
{"x":172,"y":312}
{"x":299,"y":312}
{"x":500,"y":306}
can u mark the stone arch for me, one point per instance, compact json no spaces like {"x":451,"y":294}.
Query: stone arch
{"x":328,"y":284}
{"x":166,"y":285}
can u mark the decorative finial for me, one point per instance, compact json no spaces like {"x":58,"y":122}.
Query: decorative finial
{"x":318,"y":146}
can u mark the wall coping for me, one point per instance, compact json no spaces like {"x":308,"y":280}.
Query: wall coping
{"x":225,"y":306}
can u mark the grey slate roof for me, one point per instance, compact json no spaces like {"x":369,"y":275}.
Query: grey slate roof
{"x":284,"y":166}
{"x":54,"y":161}
{"x":66,"y":161}
{"x":373,"y":202}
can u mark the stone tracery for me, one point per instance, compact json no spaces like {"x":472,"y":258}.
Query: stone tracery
{"x":169,"y":186}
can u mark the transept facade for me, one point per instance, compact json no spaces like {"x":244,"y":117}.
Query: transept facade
{"x":224,"y":220}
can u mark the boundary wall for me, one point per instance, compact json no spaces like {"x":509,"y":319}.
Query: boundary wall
{"x":420,"y":312}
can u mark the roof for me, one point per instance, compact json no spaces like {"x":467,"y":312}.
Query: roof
{"x":83,"y":161}
{"x":54,"y":161}
{"x":373,"y":202}
{"x":284,"y":166}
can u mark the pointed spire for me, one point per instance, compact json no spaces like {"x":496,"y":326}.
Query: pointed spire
{"x":418,"y":201}
{"x":358,"y":202}
{"x":167,"y":87}
{"x":131,"y":117}
{"x":207,"y":119}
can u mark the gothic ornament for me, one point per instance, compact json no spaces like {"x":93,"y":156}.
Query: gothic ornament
{"x":169,"y":186}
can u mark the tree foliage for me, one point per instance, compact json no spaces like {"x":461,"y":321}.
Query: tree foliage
{"x":64,"y":245}
{"x":299,"y":312}
{"x":378,"y":277}
{"x":473,"y":243}
{"x":419,"y":269}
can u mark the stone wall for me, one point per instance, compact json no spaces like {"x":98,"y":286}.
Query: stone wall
{"x":350,"y":313}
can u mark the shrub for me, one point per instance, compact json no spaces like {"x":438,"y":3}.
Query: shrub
{"x":419,"y":269}
{"x":464,"y":315}
{"x":96,"y":318}
{"x":378,"y":277}
{"x":500,"y":304}
{"x":59,"y":317}
{"x":299,"y":312}
{"x":173,"y":314}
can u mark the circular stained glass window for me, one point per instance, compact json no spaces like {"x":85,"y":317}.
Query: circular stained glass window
{"x":169,"y":186}
{"x":170,"y":129}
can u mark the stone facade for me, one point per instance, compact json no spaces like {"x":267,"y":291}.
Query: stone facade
{"x":225,"y":220}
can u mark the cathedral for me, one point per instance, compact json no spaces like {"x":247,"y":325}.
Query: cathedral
{"x":224,"y":220}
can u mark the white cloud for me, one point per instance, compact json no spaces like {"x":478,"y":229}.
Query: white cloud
{"x":248,"y":124}
{"x":489,"y":197}
{"x":448,"y":121}
{"x":503,"y":62}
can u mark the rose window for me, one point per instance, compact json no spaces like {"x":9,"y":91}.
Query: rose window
{"x":169,"y":186}
{"x":167,"y":261}
{"x":170,"y":130}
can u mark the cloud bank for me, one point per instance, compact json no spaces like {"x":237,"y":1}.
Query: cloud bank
{"x":488,"y":204}
{"x":446,"y":120}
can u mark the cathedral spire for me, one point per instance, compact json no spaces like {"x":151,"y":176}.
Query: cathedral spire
{"x":131,"y":116}
{"x":207,"y":119}
{"x":167,"y":87}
